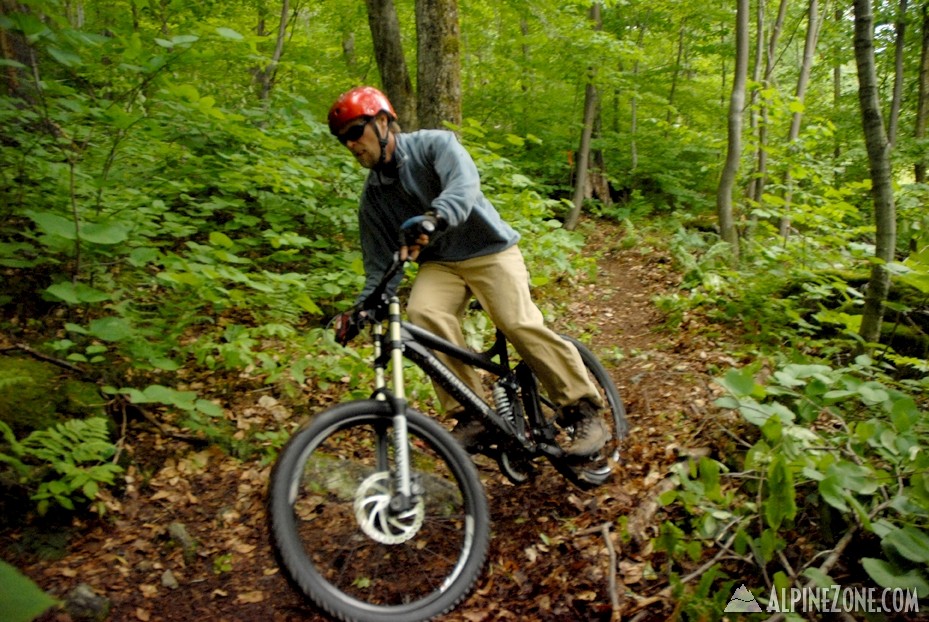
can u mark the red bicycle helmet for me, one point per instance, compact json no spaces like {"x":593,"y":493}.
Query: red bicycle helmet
{"x":362,"y":101}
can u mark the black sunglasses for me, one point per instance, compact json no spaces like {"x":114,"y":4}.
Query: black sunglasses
{"x":354,"y":132}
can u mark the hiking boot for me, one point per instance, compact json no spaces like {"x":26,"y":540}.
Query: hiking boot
{"x":589,"y":433}
{"x":469,"y":432}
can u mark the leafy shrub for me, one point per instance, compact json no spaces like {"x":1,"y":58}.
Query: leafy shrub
{"x":835,"y":450}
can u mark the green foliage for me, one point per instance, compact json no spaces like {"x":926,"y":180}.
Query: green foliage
{"x":21,"y":600}
{"x":830,"y":448}
{"x":64,"y":465}
{"x":551,"y":251}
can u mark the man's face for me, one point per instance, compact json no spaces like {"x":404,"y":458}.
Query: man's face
{"x":359,"y":137}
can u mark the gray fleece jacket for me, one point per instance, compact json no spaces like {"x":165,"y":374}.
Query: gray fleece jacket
{"x":434,"y":172}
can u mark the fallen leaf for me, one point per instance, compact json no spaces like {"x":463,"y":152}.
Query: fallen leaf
{"x":631,"y":571}
{"x":251,"y":597}
{"x":532,"y":553}
{"x":243,"y":548}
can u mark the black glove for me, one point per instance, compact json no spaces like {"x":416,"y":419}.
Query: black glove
{"x":345,"y":326}
{"x":412,"y":228}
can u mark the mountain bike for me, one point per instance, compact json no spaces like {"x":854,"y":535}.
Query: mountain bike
{"x":377,"y":513}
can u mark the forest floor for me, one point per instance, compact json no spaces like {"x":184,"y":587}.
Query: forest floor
{"x":552,"y":544}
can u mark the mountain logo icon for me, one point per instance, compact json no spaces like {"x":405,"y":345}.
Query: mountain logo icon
{"x":743,"y":602}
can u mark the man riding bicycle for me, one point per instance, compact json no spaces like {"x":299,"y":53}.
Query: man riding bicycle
{"x":423,"y":198}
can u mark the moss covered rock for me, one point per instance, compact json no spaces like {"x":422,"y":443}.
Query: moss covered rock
{"x":36,"y":395}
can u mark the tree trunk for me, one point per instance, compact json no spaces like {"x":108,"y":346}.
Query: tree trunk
{"x":809,"y":54}
{"x":881,"y":180}
{"x":761,"y":155}
{"x":809,"y":51}
{"x":837,"y":100}
{"x":754,"y":117}
{"x":391,"y":62}
{"x":19,"y":83}
{"x":674,"y":76}
{"x":348,"y":51}
{"x":438,"y":63}
{"x":599,"y":184}
{"x":724,"y":209}
{"x":527,"y":100}
{"x":135,"y":15}
{"x":75,"y":12}
{"x":591,"y":105}
{"x":266,"y":76}
{"x":583,"y":157}
{"x":634,"y":108}
{"x":922,"y":111}
{"x":898,"y":75}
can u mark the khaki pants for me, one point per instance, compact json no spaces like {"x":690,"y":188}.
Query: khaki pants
{"x":500,"y":282}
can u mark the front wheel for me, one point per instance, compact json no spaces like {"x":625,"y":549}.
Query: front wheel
{"x":350,"y":543}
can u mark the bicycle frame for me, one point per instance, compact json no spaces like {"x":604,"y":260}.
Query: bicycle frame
{"x":406,"y":340}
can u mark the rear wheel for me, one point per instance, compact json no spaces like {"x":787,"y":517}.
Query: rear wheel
{"x":354,"y":546}
{"x":595,"y":470}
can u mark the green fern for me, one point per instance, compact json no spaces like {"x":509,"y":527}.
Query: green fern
{"x":64,"y":464}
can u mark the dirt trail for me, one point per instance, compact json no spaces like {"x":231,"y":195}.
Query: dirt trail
{"x":549,"y":558}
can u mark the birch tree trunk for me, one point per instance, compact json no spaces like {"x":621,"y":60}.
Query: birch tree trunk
{"x":724,"y":209}
{"x":391,"y":62}
{"x":438,"y":70}
{"x":881,"y":180}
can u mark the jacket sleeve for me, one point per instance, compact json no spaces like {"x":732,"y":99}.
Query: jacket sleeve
{"x":459,"y":179}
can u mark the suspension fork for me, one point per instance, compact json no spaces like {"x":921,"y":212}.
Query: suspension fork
{"x":404,"y":486}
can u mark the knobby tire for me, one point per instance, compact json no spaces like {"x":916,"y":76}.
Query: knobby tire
{"x":332,"y":477}
{"x":587,"y":476}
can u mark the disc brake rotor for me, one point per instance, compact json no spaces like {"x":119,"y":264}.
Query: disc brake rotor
{"x":375,"y":516}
